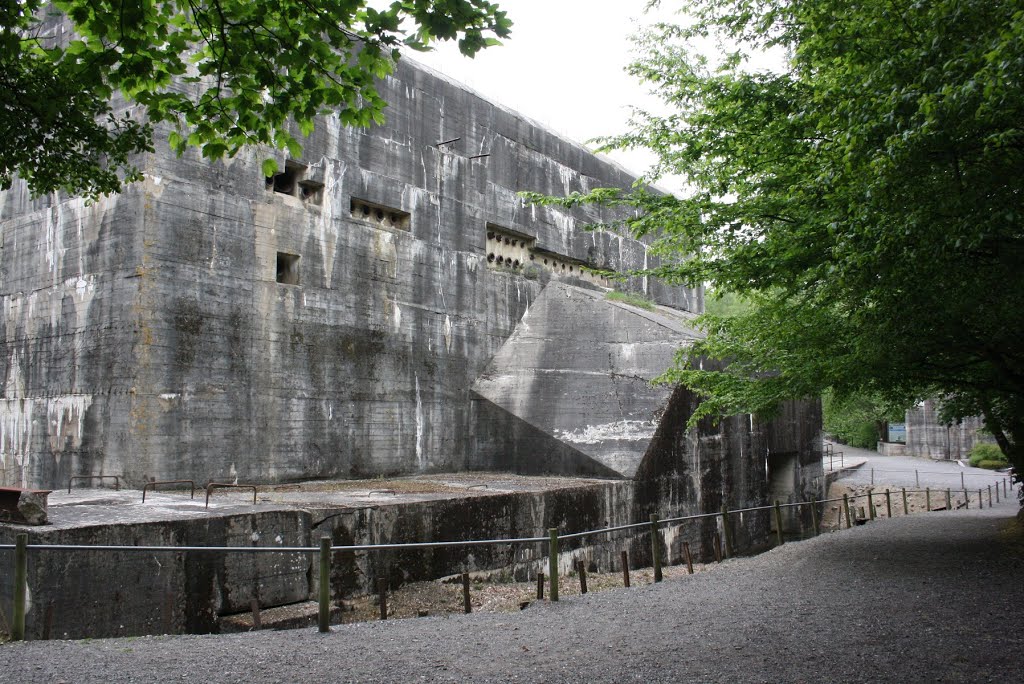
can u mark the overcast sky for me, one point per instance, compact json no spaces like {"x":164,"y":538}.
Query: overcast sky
{"x":563,"y":66}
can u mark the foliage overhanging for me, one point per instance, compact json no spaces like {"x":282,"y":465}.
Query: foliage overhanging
{"x":224,"y":73}
{"x":866,"y":199}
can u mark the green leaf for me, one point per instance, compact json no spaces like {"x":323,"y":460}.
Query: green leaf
{"x":254,"y":68}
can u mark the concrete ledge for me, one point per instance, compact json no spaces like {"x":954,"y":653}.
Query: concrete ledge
{"x":833,"y":475}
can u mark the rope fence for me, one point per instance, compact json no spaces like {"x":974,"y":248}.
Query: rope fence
{"x":917,"y":473}
{"x":325,"y":549}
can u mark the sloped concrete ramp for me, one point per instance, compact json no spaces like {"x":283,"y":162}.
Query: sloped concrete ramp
{"x":577,"y":371}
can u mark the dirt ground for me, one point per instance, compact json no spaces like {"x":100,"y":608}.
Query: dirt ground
{"x":917,"y":501}
{"x":444,"y":596}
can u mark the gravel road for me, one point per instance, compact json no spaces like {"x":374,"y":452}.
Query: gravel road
{"x":908,"y":471}
{"x":931,"y":597}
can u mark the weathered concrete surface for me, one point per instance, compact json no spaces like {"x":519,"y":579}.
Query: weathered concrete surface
{"x":578,"y":369}
{"x":109,"y":593}
{"x":739,"y":461}
{"x":32,"y":507}
{"x":207,"y":324}
{"x":78,"y":593}
{"x":929,"y":437}
{"x":106,"y":593}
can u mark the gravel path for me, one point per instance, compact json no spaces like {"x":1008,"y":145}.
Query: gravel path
{"x":933,"y":597}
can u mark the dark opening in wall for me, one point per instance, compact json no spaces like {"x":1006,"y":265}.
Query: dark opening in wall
{"x":311,"y":191}
{"x":380,"y":215}
{"x":294,"y":183}
{"x":287,"y":268}
{"x":286,"y":181}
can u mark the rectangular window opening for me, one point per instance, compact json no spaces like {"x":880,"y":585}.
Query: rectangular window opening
{"x":287,"y":268}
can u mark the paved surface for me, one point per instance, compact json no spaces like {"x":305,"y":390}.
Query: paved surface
{"x":933,"y":597}
{"x":907,"y":471}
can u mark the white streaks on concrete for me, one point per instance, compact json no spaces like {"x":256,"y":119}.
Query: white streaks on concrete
{"x":628,"y":430}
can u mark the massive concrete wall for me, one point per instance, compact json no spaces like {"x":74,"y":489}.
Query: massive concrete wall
{"x":330,"y":323}
{"x":72,"y":596}
{"x":928,"y":436}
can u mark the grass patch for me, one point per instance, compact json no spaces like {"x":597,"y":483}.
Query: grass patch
{"x":630,"y":298}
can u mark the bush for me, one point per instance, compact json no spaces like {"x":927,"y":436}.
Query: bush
{"x":992,"y":465}
{"x":987,"y":452}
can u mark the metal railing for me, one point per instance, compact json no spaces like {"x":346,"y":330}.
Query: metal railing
{"x":326,"y":549}
{"x":115,"y":478}
{"x":159,"y":483}
{"x":832,"y":455}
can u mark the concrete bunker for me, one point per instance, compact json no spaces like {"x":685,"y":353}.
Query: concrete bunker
{"x":404,"y":353}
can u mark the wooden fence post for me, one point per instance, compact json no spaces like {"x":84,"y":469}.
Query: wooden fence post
{"x":949,"y":500}
{"x":581,"y":567}
{"x":540,"y":586}
{"x":906,"y":511}
{"x":981,"y":504}
{"x":324,"y":609}
{"x":656,"y":547}
{"x":888,"y":504}
{"x":814,"y":516}
{"x":871,"y":504}
{"x":928,"y":499}
{"x":382,"y":593}
{"x":625,"y":569}
{"x":688,"y":557}
{"x":846,"y":510}
{"x":778,"y":523}
{"x":20,"y":586}
{"x":467,"y":606}
{"x":553,"y":562}
{"x":727,"y":531}
{"x":967,"y":501}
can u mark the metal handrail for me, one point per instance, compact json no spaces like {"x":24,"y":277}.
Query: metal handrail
{"x":117,"y":480}
{"x":226,"y":485}
{"x":150,"y":485}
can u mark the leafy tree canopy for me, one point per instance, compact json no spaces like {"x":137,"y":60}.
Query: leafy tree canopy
{"x":225,"y":73}
{"x":866,"y":199}
{"x":860,"y":419}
